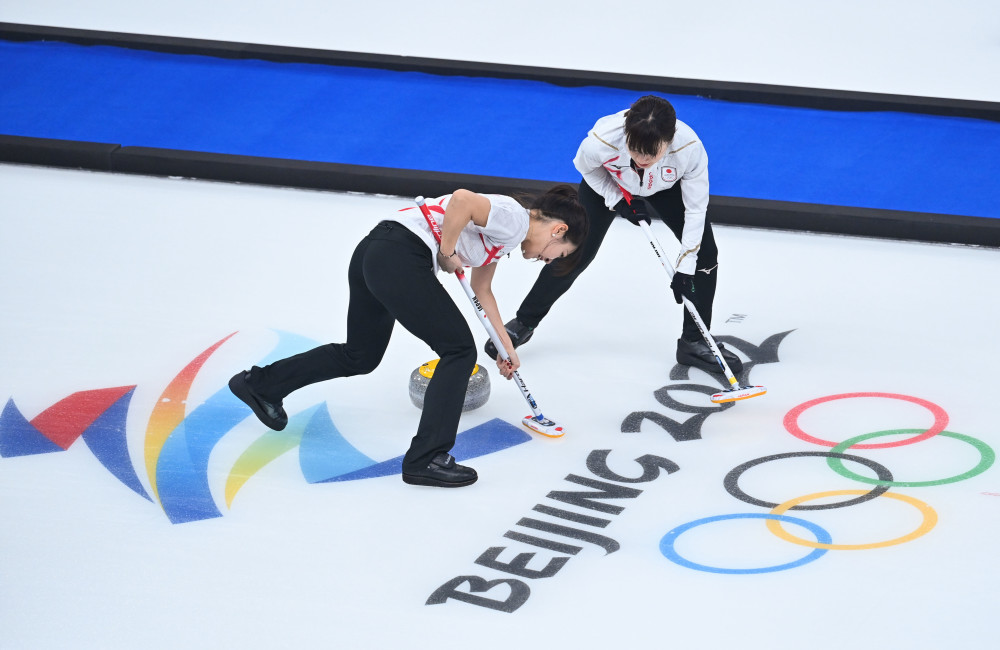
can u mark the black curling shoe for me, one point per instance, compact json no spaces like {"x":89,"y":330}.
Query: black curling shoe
{"x":519,"y":335}
{"x":443,"y":471}
{"x":272,"y":415}
{"x":699,"y":355}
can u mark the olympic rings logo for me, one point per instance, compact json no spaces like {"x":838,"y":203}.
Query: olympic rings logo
{"x":777,"y":519}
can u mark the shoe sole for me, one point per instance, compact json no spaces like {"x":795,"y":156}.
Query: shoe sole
{"x":413,"y":479}
{"x":238,"y":386}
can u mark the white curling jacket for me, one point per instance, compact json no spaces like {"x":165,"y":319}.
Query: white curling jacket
{"x":605,"y":164}
{"x":506,"y":227}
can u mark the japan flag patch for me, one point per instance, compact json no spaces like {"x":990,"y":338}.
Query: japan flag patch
{"x":668,"y":174}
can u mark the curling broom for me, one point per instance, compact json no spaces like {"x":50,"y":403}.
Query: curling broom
{"x":735,"y":392}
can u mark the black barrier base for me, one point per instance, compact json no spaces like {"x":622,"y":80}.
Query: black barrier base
{"x":754,"y":213}
{"x":57,"y":153}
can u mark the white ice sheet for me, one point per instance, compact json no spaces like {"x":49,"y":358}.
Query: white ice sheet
{"x":112,"y":280}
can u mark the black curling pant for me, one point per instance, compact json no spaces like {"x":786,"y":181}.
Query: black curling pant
{"x":391,"y":278}
{"x":669,"y":206}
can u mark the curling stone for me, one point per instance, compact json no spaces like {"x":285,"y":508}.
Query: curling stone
{"x":476,"y":393}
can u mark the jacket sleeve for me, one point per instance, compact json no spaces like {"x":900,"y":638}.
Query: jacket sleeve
{"x":694,"y":191}
{"x":589,"y":161}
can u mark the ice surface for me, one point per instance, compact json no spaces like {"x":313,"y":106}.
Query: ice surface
{"x":119,"y":281}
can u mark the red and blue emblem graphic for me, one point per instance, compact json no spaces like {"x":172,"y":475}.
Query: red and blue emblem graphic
{"x":177,"y":443}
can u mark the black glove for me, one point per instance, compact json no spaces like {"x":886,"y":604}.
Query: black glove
{"x":683,"y":285}
{"x":634,"y":212}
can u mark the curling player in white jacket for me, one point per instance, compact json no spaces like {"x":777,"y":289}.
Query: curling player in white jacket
{"x":644,"y":152}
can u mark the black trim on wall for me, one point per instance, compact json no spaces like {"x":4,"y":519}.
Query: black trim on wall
{"x":886,"y":224}
{"x":865,"y":222}
{"x":309,"y":175}
{"x":56,"y":153}
{"x":730,"y":91}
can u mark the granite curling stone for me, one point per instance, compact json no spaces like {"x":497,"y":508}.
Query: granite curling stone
{"x":476,"y":394}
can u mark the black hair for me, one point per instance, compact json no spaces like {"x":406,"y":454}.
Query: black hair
{"x":649,"y":122}
{"x":562,"y":203}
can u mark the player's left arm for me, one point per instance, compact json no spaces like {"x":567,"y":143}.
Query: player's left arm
{"x":694,"y":192}
{"x":464,"y":207}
